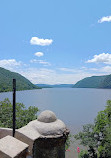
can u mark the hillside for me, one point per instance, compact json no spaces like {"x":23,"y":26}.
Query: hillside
{"x":106,"y":82}
{"x":44,"y":85}
{"x":94,"y":82}
{"x":6,"y":78}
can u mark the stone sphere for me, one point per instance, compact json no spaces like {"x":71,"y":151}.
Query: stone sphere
{"x":47,"y":116}
{"x":47,"y":125}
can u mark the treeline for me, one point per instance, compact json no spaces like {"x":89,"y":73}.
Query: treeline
{"x":6,"y":78}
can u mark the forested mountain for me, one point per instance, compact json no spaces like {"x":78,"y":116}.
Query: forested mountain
{"x":94,"y":82}
{"x":6,"y":78}
{"x":106,"y":82}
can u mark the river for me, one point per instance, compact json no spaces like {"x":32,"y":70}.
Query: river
{"x":75,"y":106}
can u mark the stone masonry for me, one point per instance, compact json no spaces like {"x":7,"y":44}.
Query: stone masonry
{"x":45,"y":136}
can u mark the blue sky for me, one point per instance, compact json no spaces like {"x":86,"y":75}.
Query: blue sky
{"x":56,"y":42}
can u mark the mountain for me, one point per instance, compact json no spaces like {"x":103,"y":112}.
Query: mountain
{"x":6,"y":79}
{"x":94,"y":82}
{"x":44,"y":85}
{"x":62,"y":86}
{"x":55,"y":85}
{"x":106,"y":82}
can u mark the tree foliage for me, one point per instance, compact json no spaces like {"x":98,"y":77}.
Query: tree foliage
{"x":69,"y":141}
{"x":97,"y":136}
{"x":23,"y":115}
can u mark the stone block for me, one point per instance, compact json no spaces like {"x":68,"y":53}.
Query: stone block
{"x":10,"y":147}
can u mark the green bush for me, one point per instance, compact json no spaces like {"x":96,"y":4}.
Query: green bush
{"x":23,"y":115}
{"x":83,"y":154}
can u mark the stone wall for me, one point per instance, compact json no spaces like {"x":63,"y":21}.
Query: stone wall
{"x":5,"y":131}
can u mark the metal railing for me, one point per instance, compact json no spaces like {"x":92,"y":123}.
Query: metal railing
{"x":14,"y":106}
{"x":8,"y":112}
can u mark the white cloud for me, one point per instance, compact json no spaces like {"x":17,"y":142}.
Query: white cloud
{"x":105,"y":19}
{"x":52,"y":76}
{"x":45,"y":63}
{"x":69,"y":70}
{"x":106,"y":69}
{"x":101,"y":58}
{"x":39,"y":54}
{"x":10,"y":64}
{"x":41,"y":42}
{"x":93,"y":69}
{"x":49,"y":76}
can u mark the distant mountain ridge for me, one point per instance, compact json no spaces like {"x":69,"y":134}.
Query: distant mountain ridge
{"x":94,"y":82}
{"x":6,"y":78}
{"x":55,"y":85}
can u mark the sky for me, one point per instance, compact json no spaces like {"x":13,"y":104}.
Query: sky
{"x":56,"y":42}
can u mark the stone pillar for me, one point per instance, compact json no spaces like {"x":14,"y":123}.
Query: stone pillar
{"x":51,"y":143}
{"x":45,"y":136}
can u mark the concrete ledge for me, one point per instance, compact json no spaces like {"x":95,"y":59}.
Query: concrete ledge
{"x":12,"y":148}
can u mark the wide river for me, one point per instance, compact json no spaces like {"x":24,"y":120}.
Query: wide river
{"x":75,"y":106}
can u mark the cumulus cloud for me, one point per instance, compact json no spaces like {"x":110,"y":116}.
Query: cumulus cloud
{"x":45,"y":63}
{"x":101,"y":58}
{"x":10,"y":63}
{"x":105,"y":19}
{"x":39,"y":54}
{"x":41,"y":42}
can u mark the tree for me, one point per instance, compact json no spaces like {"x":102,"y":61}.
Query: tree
{"x":69,"y":141}
{"x":84,"y":154}
{"x":87,"y":138}
{"x":23,"y":115}
{"x":103,"y":129}
{"x":97,"y":137}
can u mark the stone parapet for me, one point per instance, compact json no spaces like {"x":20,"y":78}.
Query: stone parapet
{"x":48,"y":135}
{"x":5,"y":131}
{"x":45,"y":136}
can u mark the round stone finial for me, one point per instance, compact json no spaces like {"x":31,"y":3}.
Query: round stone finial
{"x":47,"y":125}
{"x":47,"y":116}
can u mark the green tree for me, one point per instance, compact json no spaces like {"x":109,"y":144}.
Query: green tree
{"x":87,"y":138}
{"x":103,"y":129}
{"x":23,"y":115}
{"x":97,"y":137}
{"x":84,"y":154}
{"x":69,"y":141}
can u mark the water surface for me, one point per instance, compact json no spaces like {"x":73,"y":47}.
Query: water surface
{"x":75,"y":106}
